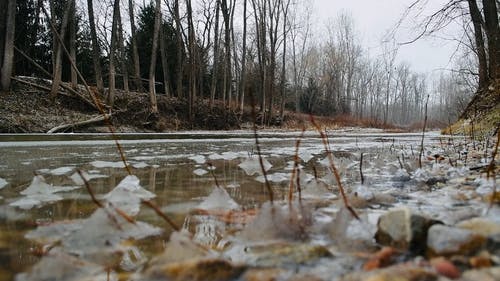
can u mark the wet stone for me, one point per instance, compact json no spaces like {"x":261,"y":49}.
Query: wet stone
{"x":196,"y":270}
{"x":403,"y":230}
{"x":481,"y":226}
{"x":401,"y":272}
{"x":446,"y":241}
{"x":485,"y":274}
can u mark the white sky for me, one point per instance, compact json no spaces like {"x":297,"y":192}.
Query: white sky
{"x":373,"y":18}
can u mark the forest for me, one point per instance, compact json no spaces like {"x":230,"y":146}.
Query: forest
{"x":235,"y":54}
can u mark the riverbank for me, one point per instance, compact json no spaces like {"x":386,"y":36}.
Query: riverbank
{"x":28,"y":109}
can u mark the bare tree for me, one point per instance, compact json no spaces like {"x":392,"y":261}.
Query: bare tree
{"x":133,"y":42}
{"x":154,"y":51}
{"x":213,"y":87}
{"x":112,"y":55}
{"x":7,"y":53}
{"x":57,"y":71}
{"x":72,"y":44}
{"x":243,"y":77}
{"x":95,"y":48}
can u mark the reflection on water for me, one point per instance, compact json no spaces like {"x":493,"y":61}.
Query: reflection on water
{"x":164,"y":165}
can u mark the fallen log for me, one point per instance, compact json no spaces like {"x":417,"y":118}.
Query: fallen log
{"x":78,"y":124}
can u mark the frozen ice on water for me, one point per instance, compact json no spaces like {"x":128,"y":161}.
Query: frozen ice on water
{"x":61,"y":171}
{"x":77,"y":179}
{"x":48,"y":234}
{"x":251,"y":166}
{"x":276,"y":177}
{"x":29,"y":202}
{"x":3,"y":183}
{"x":39,"y":192}
{"x":61,"y":266}
{"x":107,"y":164}
{"x":200,"y":172}
{"x":421,"y":175}
{"x":140,"y":165}
{"x":199,"y":159}
{"x":364,"y":192}
{"x":485,"y":186}
{"x":305,"y":155}
{"x":218,"y":199}
{"x":127,"y":195}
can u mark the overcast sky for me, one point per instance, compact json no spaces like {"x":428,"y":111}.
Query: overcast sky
{"x":373,"y":18}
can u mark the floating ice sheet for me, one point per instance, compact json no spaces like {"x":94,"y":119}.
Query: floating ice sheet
{"x":251,"y":166}
{"x":77,"y":179}
{"x":3,"y":183}
{"x":127,"y":195}
{"x":107,"y":164}
{"x":200,"y":172}
{"x":40,"y":192}
{"x":199,"y":159}
{"x":218,"y":199}
{"x":61,"y":171}
{"x":276,"y":177}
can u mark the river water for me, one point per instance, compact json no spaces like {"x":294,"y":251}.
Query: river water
{"x":181,"y":169}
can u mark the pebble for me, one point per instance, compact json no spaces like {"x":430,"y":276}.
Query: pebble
{"x":444,"y":240}
{"x":403,"y":230}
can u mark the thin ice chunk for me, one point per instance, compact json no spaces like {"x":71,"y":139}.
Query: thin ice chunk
{"x":77,"y":179}
{"x":140,"y":165}
{"x":61,"y":171}
{"x":48,"y":234}
{"x":127,"y":195}
{"x":305,"y":156}
{"x":218,"y":199}
{"x":276,"y":177}
{"x":251,"y":166}
{"x":61,"y":266}
{"x":3,"y":183}
{"x":107,"y":164}
{"x":200,"y":172}
{"x":199,"y":159}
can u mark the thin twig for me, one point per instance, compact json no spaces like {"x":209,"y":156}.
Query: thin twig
{"x":421,"y":154}
{"x":333,"y":167}
{"x":161,"y":214}
{"x":361,"y":169}
{"x":295,"y":166}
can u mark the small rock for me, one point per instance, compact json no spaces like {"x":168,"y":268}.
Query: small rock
{"x":400,"y":272}
{"x":445,"y":268}
{"x":262,"y":274}
{"x":403,"y":230}
{"x":481,"y":226}
{"x":197,"y":270}
{"x":485,"y":274}
{"x":446,"y":241}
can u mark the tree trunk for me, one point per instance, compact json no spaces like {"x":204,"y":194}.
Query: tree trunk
{"x":164,"y":64}
{"x":226,"y":13}
{"x":122,"y":56}
{"x":154,"y":51}
{"x":72,"y":44}
{"x":112,"y":50}
{"x":135,"y":52}
{"x":96,"y":57}
{"x":179,"y":49}
{"x":478,"y":34}
{"x":192,"y":61}
{"x":8,"y":47}
{"x":57,"y":71}
{"x":213,"y":86}
{"x":492,"y":29}
{"x":243,"y":58}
